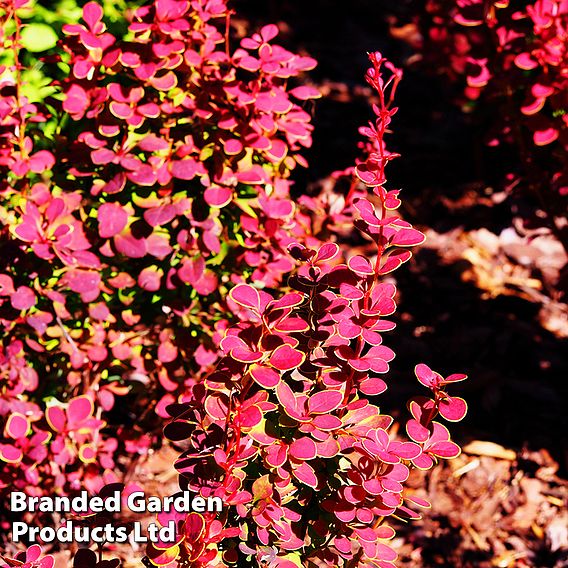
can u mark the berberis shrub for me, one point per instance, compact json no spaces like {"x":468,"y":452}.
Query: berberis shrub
{"x":511,"y":60}
{"x":154,"y":265}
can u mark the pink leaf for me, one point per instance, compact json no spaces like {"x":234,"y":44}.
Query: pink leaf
{"x":394,"y":260}
{"x":546,"y":136}
{"x":373,"y":386}
{"x":130,"y":246}
{"x":76,"y":101}
{"x":327,"y":422}
{"x":426,"y":376}
{"x":525,"y":61}
{"x":306,"y":474}
{"x":112,"y":219}
{"x":10,"y":454}
{"x":285,"y":358}
{"x":246,"y":296}
{"x":233,"y":147}
{"x":143,"y":175}
{"x":453,"y":408}
{"x":191,"y":269}
{"x":416,"y":431}
{"x":251,"y":417}
{"x":405,"y":450}
{"x":6,"y":285}
{"x":304,"y":93}
{"x":165,"y":82}
{"x":23,"y":298}
{"x":292,"y":325}
{"x":207,"y":284}
{"x":287,"y":399}
{"x":56,"y":418}
{"x":216,"y":406}
{"x":184,"y":169}
{"x":150,"y":278}
{"x":265,"y":376}
{"x":82,"y":281}
{"x":447,"y":450}
{"x":218,"y":196}
{"x":92,"y":14}
{"x":324,"y":402}
{"x":327,"y":252}
{"x":80,"y":408}
{"x":269,"y":32}
{"x":360,"y":265}
{"x":41,"y":161}
{"x":17,"y":426}
{"x":246,"y":355}
{"x":303,"y":449}
{"x":167,"y":352}
{"x":408,"y":237}
{"x":159,"y":216}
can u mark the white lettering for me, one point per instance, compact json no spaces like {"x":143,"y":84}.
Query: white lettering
{"x":18,"y":501}
{"x":19,"y":529}
{"x":135,"y":502}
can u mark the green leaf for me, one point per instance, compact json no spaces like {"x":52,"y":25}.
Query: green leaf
{"x":38,"y":37}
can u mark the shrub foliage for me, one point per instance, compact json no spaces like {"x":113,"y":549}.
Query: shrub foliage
{"x":154,"y":265}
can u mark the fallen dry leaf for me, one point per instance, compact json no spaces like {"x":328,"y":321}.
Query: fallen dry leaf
{"x":489,"y":449}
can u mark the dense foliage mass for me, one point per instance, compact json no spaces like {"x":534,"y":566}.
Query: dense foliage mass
{"x":153,"y":265}
{"x":512,"y":61}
